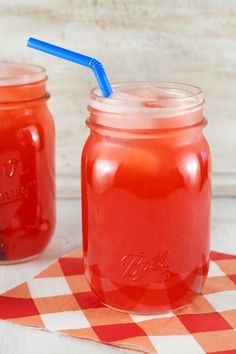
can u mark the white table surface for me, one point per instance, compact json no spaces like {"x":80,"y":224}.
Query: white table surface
{"x":24,"y":340}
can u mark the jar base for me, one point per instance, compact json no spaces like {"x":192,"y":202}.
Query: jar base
{"x":145,"y":311}
{"x":151,"y":313}
{"x":21,"y":260}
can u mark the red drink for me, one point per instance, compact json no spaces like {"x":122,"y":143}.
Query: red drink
{"x":27,"y":193}
{"x":146,"y":198}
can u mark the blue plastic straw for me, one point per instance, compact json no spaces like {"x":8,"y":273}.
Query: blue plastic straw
{"x":78,"y":58}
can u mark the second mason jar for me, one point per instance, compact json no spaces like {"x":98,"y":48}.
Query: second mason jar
{"x":27,"y":178}
{"x":146,"y":196}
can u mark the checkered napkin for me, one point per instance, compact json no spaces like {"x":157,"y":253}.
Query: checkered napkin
{"x":59,"y":299}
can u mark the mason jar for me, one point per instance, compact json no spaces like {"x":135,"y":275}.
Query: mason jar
{"x":27,"y":187}
{"x":146,"y":195}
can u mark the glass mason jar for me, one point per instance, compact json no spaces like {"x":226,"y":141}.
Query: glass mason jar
{"x":27,"y":191}
{"x":146,"y":196}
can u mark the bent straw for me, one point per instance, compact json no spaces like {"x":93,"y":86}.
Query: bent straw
{"x":75,"y":57}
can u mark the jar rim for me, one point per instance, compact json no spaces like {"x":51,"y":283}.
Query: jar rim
{"x":13,"y":74}
{"x":163,"y":98}
{"x":166,"y":104}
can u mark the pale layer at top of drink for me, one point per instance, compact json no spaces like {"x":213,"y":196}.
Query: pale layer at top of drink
{"x":143,"y":102}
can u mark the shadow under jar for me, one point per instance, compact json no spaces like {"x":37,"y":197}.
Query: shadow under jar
{"x":146,"y":196}
{"x":27,"y":190}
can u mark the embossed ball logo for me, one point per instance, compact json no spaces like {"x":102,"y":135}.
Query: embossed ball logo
{"x":136,"y":267}
{"x":10,"y":170}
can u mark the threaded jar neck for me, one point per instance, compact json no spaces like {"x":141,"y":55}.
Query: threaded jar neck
{"x":21,"y":83}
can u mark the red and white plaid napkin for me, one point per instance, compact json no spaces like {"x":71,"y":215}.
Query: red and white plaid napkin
{"x":59,"y":299}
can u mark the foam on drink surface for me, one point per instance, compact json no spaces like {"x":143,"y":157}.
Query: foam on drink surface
{"x":140,"y":105}
{"x":146,"y":96}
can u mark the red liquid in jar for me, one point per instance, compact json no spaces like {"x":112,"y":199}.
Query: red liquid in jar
{"x":27,"y":192}
{"x":146,"y":205}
